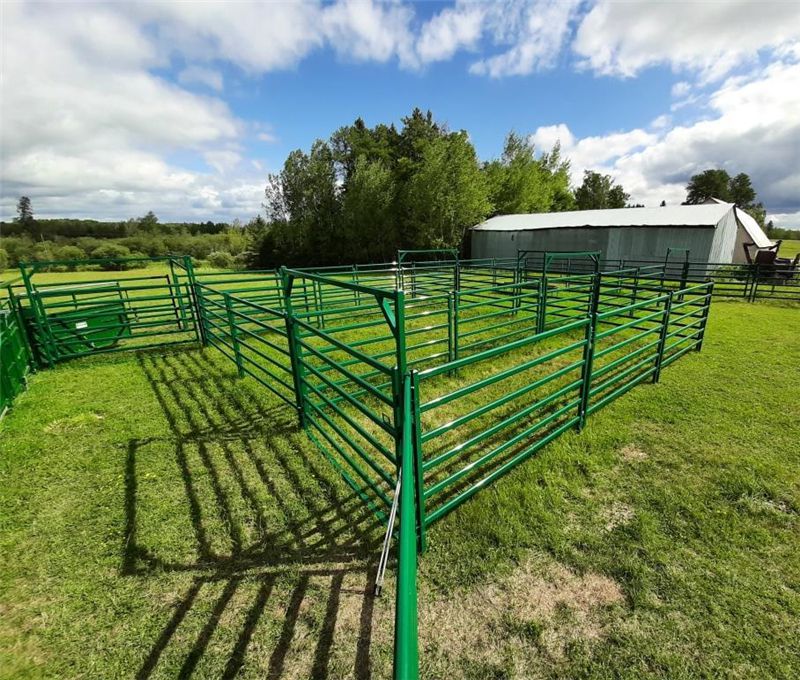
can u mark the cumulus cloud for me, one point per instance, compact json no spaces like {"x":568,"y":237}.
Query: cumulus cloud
{"x":753,"y":128}
{"x":449,"y":31}
{"x":681,"y":89}
{"x":534,"y":30}
{"x":91,"y":125}
{"x":709,"y":38}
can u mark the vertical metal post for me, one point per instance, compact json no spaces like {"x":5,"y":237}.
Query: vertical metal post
{"x":706,"y":310}
{"x":354,"y":278}
{"x":406,"y":642}
{"x":542,"y":310}
{"x":662,"y":338}
{"x":287,"y":282}
{"x":416,"y":422}
{"x":456,"y":304}
{"x":635,"y":290}
{"x":399,"y":332}
{"x":588,"y":353}
{"x":47,"y":348}
{"x":450,"y":322}
{"x":754,"y":285}
{"x":237,"y":353}
{"x":194,"y":295}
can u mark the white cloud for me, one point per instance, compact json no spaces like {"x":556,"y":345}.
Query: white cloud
{"x":201,"y":76}
{"x":590,"y":153}
{"x":449,"y":31}
{"x":681,"y":89}
{"x":661,"y":122}
{"x":366,"y":31}
{"x":90,"y":128}
{"x":754,"y":129}
{"x":87,"y":128}
{"x":786,"y":220}
{"x":709,"y":38}
{"x":535,"y":30}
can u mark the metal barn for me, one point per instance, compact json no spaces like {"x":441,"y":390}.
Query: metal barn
{"x":712,"y":232}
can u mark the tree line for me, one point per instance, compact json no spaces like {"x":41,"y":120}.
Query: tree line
{"x":365,"y":192}
{"x":220,"y":244}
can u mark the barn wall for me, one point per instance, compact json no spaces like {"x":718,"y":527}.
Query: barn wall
{"x":725,"y":240}
{"x":628,"y":243}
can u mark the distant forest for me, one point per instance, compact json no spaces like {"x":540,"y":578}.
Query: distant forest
{"x":219,"y":244}
{"x":358,"y":197}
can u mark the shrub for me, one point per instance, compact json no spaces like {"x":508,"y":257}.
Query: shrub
{"x":4,"y":259}
{"x":111,"y":251}
{"x":70,"y":253}
{"x":221,"y":259}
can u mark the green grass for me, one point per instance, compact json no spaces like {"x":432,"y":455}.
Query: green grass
{"x":790,"y":248}
{"x":162,"y":518}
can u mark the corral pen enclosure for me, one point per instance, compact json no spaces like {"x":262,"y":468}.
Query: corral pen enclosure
{"x":420,"y":382}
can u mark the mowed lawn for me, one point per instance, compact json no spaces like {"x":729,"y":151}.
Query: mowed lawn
{"x":160,"y":518}
{"x":789,"y":248}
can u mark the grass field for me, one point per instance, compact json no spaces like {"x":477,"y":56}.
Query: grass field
{"x":789,"y":248}
{"x":161,"y":518}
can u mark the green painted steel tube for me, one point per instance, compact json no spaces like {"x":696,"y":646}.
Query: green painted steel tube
{"x":502,"y":375}
{"x":497,"y":351}
{"x":509,"y":465}
{"x":406,"y":643}
{"x":348,"y":375}
{"x":506,"y":422}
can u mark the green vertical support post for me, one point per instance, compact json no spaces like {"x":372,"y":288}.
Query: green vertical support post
{"x":706,"y":310}
{"x":542,"y":309}
{"x":685,"y":271}
{"x":635,"y":290}
{"x":754,"y":285}
{"x":456,"y":305}
{"x":450,"y":325}
{"x":279,"y":291}
{"x":354,"y":279}
{"x":406,"y":642}
{"x":46,"y":348}
{"x":305,"y":296}
{"x":177,"y":299}
{"x":16,"y":309}
{"x":321,"y":316}
{"x":194,"y":294}
{"x":419,"y":497}
{"x":237,"y":352}
{"x":287,"y":282}
{"x":398,"y":328}
{"x":588,"y":353}
{"x":662,"y":339}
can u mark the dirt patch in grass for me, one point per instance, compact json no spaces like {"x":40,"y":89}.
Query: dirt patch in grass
{"x":632,"y":453}
{"x":616,"y":515}
{"x":533,"y":615}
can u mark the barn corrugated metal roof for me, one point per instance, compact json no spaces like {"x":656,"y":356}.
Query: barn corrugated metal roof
{"x":754,"y":231}
{"x":705,"y":215}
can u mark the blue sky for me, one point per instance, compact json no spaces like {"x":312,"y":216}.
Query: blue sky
{"x":110,"y":110}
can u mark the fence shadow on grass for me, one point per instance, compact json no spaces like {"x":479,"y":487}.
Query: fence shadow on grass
{"x":272,"y":526}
